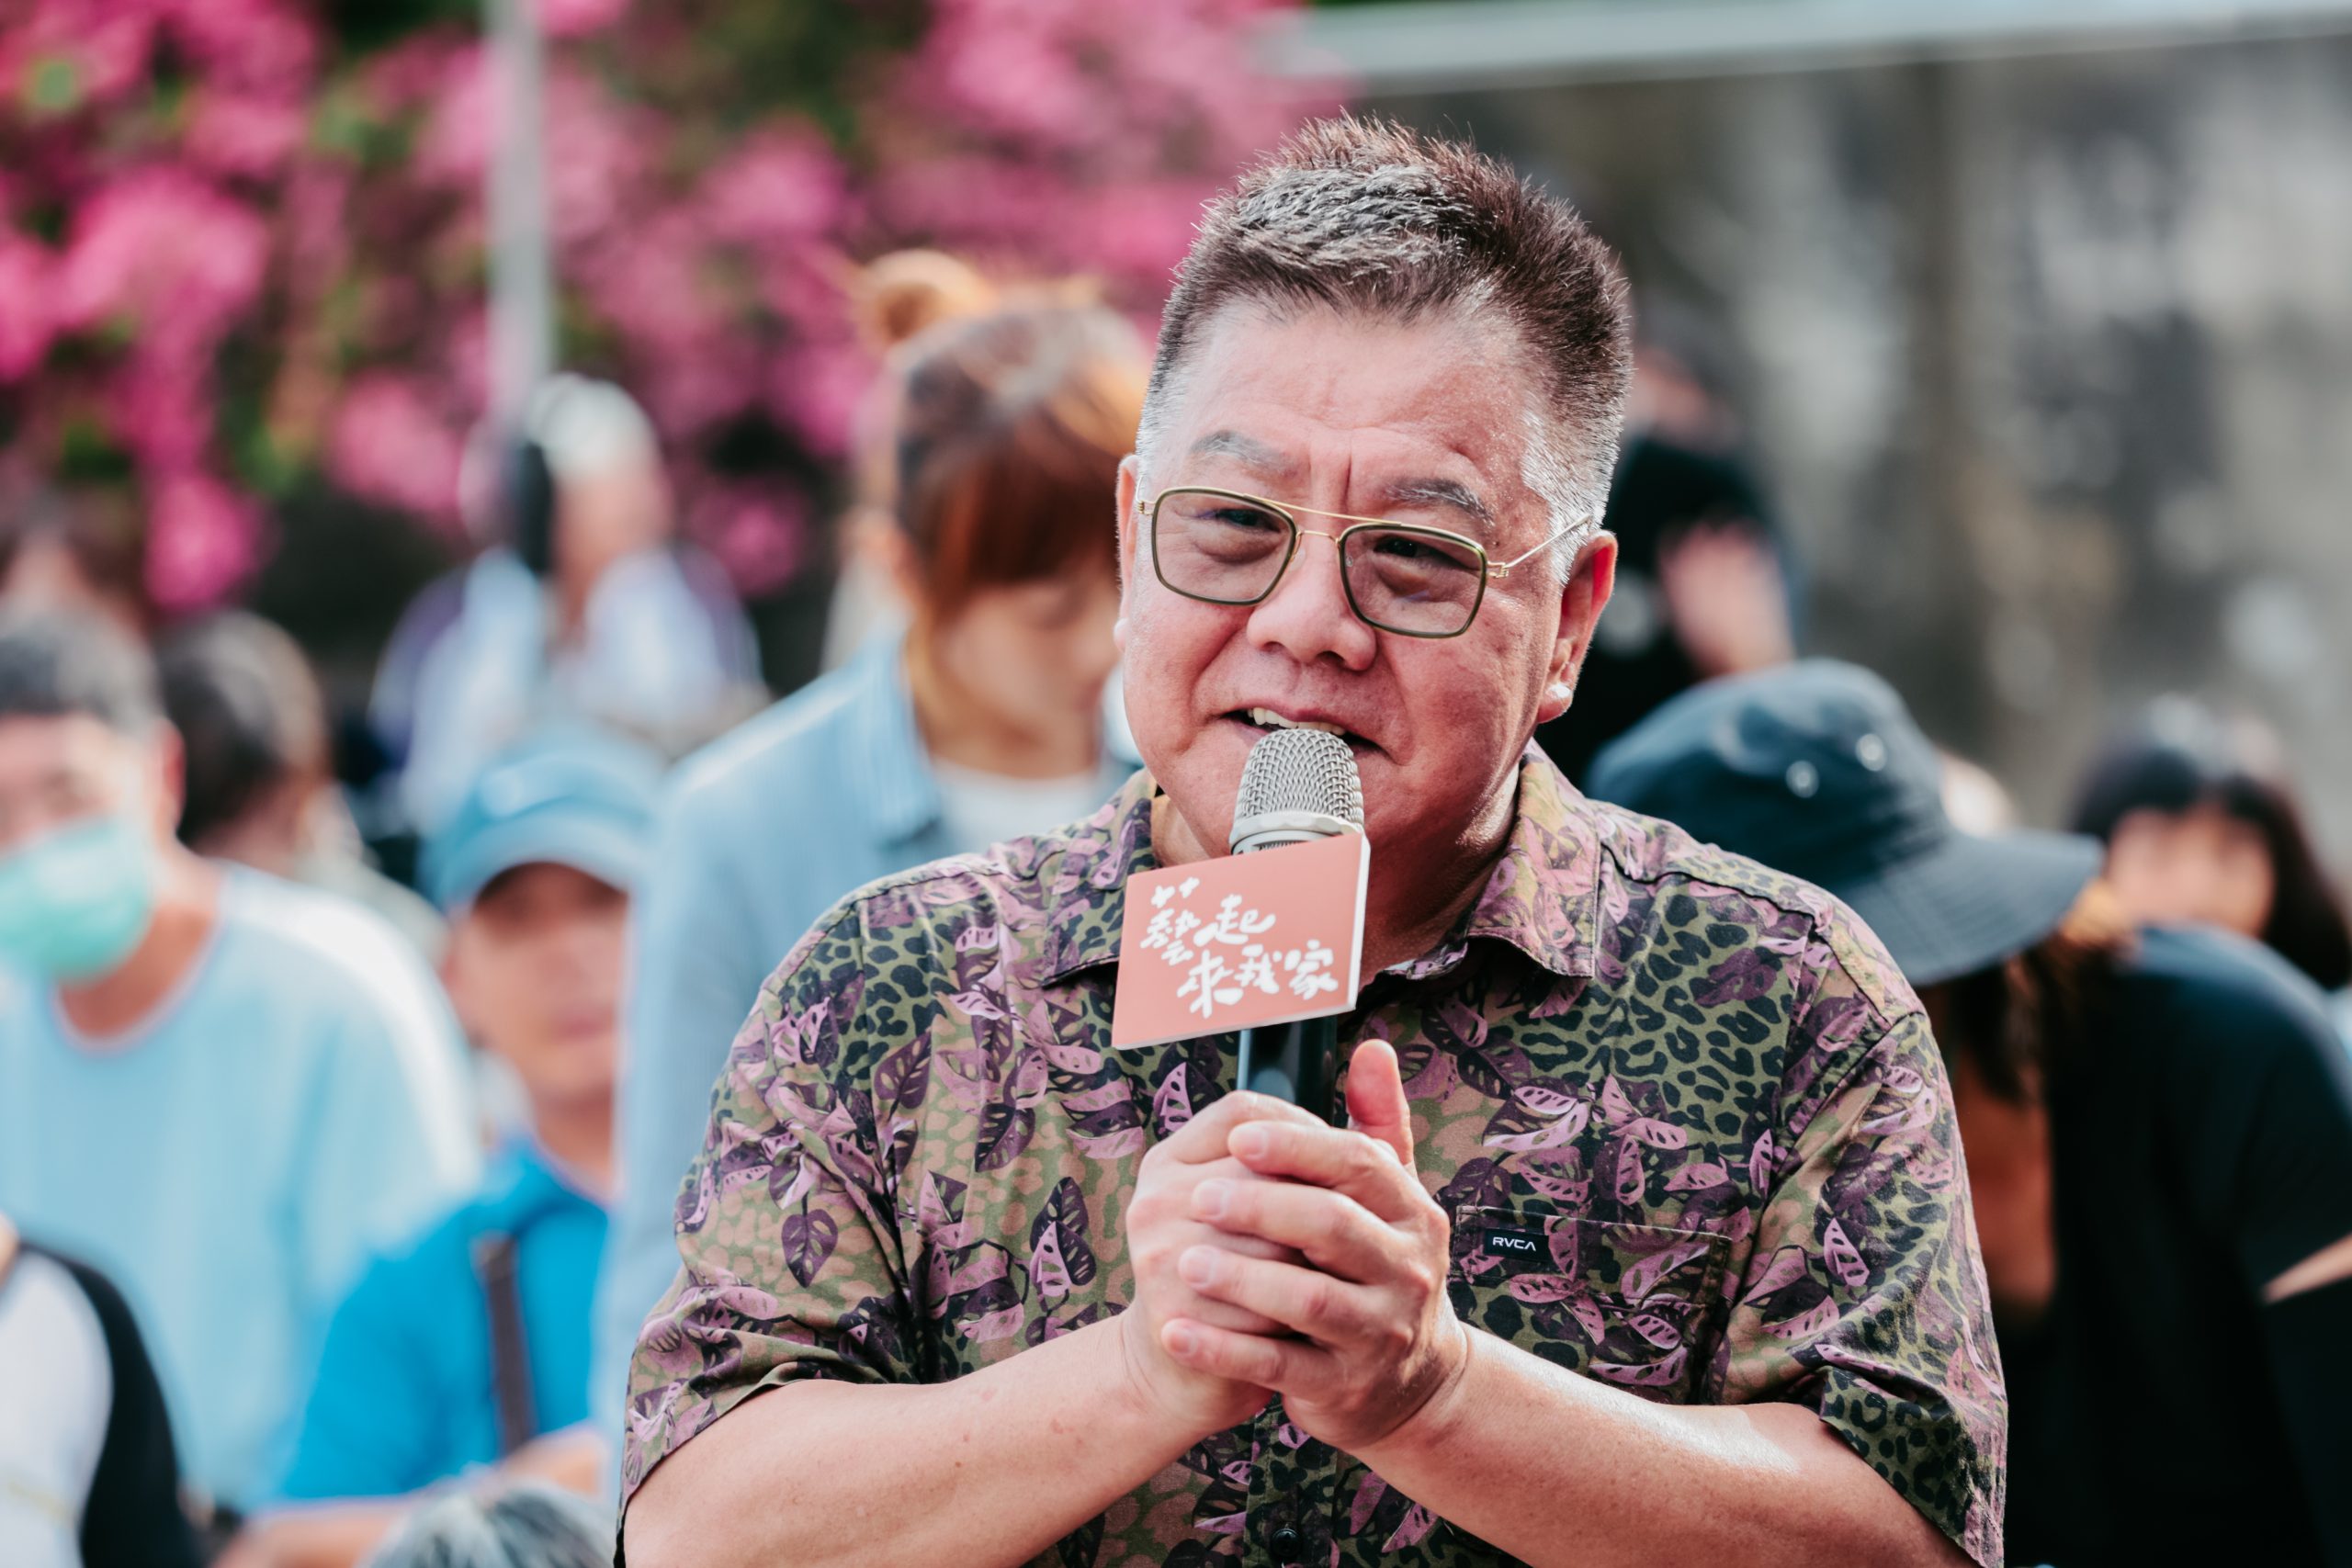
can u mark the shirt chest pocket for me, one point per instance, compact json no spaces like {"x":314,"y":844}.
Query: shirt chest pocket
{"x":1637,"y":1306}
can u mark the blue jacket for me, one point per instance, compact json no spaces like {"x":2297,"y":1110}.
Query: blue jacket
{"x":405,"y":1394}
{"x":762,"y":832}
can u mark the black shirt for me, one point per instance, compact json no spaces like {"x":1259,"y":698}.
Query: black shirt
{"x":2201,"y":1145}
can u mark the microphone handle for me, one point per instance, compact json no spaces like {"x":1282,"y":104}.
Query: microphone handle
{"x":1297,"y":1062}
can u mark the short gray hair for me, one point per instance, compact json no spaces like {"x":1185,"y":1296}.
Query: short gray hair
{"x":525,"y":1525}
{"x":1367,"y":216}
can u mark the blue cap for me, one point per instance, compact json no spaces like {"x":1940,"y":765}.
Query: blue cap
{"x":577,"y":798}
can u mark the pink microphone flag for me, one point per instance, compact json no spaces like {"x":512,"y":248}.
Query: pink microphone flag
{"x":1242,"y":942}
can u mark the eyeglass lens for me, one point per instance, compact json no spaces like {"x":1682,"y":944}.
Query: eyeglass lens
{"x":1231,"y":551}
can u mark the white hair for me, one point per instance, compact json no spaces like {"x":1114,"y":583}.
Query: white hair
{"x":588,"y":428}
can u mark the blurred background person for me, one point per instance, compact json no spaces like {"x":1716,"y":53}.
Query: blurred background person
{"x":521,"y":1525}
{"x":982,"y":722}
{"x":2158,"y":1129}
{"x":894,"y":300}
{"x":468,"y":1347}
{"x":259,"y":783}
{"x":1701,"y":590}
{"x":2197,"y":831}
{"x":77,"y":553}
{"x":88,"y":1478}
{"x":585,"y":608}
{"x":224,"y":1089}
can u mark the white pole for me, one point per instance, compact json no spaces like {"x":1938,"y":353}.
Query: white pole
{"x":522,"y":289}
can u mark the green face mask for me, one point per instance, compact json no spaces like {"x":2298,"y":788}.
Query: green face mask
{"x":74,"y":903}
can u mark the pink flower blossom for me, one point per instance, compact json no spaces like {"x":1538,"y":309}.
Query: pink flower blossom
{"x":777,"y":188}
{"x":267,"y":45}
{"x":391,"y":445}
{"x":415,"y":72}
{"x":158,"y":407}
{"x":25,"y":322}
{"x":203,"y":539}
{"x":758,"y":531}
{"x":241,"y":135}
{"x":574,"y":18}
{"x":594,"y":150}
{"x":103,"y":46}
{"x":816,"y":391}
{"x":161,"y":249}
{"x":322,"y":213}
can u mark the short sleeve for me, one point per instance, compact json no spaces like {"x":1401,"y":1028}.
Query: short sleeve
{"x":1864,"y":1299}
{"x":791,"y":1260}
{"x":2263,"y":1122}
{"x":388,"y":1155}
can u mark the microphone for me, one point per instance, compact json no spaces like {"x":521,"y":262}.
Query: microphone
{"x":1298,"y":784}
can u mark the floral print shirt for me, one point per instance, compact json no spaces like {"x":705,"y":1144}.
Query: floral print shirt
{"x":1688,"y":1121}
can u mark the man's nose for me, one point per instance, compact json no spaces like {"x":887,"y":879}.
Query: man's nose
{"x":1307,"y":615}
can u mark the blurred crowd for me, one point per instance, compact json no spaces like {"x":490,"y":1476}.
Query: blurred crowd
{"x":332,"y":1200}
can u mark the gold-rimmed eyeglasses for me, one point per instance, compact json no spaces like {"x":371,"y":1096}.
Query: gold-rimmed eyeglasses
{"x":1222,"y":546}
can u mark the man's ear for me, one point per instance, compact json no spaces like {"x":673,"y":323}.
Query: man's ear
{"x":1582,"y":598}
{"x":1126,"y":490}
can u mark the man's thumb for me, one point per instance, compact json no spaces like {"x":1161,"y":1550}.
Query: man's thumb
{"x":1377,"y":1098}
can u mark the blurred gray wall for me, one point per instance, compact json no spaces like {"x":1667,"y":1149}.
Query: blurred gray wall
{"x":2047,"y":359}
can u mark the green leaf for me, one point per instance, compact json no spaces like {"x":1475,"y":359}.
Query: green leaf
{"x":53,"y":86}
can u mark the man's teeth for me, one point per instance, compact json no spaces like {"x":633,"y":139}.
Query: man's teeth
{"x":1273,"y":720}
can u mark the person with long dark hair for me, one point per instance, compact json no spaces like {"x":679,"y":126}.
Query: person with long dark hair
{"x":2196,"y":832}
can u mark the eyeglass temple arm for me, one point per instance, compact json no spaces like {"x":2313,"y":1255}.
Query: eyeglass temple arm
{"x":1502,"y":568}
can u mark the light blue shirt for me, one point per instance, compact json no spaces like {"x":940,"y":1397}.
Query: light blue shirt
{"x":763,"y":831}
{"x":297,"y":1104}
{"x":406,"y":1393}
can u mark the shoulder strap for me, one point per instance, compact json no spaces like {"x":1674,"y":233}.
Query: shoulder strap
{"x":510,"y":1359}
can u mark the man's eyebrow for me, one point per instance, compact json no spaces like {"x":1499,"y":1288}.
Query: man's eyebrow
{"x":1248,"y":448}
{"x":1443,"y":492}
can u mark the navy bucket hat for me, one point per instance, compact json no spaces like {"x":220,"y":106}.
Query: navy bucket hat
{"x":1816,"y":769}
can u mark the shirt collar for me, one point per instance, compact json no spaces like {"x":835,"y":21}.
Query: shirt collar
{"x":1088,"y":896}
{"x":1543,"y":896}
{"x":888,"y":775}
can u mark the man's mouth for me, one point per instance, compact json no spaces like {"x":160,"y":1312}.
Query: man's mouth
{"x":1267,"y":719}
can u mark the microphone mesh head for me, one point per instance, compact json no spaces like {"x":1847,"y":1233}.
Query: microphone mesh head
{"x":1301,"y":770}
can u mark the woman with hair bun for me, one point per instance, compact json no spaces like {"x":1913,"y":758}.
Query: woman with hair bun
{"x":991,"y":459}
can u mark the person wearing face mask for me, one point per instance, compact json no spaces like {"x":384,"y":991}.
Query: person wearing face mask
{"x":223,"y":1089}
{"x":981,"y":722}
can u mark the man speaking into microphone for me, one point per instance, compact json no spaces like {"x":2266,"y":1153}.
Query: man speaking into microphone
{"x":1649,"y":1240}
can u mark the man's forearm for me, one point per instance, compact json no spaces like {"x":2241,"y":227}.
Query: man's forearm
{"x":990,"y":1469}
{"x":1554,"y":1468}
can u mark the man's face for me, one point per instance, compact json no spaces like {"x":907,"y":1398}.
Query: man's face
{"x":1373,"y":418}
{"x":533,"y":967}
{"x":58,"y":771}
